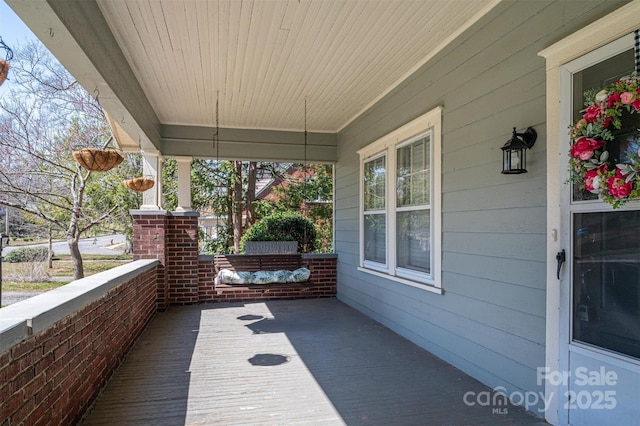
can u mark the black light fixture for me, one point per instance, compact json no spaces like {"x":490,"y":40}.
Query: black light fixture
{"x":514,"y":152}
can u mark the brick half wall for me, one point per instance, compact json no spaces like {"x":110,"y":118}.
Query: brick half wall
{"x":58,"y":349}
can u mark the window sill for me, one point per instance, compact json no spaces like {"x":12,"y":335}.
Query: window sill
{"x":423,"y":286}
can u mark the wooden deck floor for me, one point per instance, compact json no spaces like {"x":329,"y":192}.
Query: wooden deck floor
{"x":315,"y":362}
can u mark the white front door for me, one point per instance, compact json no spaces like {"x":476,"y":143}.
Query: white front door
{"x":599,"y":371}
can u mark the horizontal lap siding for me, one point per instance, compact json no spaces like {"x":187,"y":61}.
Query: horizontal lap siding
{"x":490,"y":321}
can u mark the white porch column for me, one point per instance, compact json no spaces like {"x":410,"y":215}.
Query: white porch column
{"x":152,"y":167}
{"x":184,"y":184}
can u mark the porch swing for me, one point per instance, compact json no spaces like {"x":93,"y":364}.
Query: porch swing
{"x":262,"y":265}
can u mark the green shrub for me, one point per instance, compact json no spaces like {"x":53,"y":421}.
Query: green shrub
{"x":214,"y":246}
{"x":27,"y":254}
{"x":285,"y":226}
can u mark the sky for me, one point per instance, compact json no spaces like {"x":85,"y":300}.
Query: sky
{"x":12,"y":30}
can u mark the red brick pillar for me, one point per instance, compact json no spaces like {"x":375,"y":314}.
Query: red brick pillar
{"x":182,"y":258}
{"x":150,"y":229}
{"x":206,"y":277}
{"x":324,"y":273}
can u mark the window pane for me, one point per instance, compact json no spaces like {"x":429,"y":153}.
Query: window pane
{"x":375,"y":179}
{"x":375,"y":240}
{"x":412,"y":177}
{"x":606,"y":280}
{"x":414,"y":240}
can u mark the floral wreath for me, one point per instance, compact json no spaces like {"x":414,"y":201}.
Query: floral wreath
{"x":590,"y":165}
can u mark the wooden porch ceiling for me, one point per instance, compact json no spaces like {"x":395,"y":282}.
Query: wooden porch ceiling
{"x":158,"y":65}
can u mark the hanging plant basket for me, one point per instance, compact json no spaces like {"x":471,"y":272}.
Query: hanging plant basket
{"x":4,"y":63}
{"x":4,"y":70}
{"x":98,"y":160}
{"x":140,"y":184}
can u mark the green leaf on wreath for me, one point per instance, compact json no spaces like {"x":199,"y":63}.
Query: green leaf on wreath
{"x":630,"y":177}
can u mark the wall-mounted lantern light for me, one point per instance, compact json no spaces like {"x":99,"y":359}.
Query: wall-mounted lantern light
{"x":514,"y":152}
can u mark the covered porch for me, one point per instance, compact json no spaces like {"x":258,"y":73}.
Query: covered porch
{"x":232,"y":80}
{"x":312,"y":361}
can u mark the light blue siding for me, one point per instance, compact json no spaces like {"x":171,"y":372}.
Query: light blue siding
{"x":490,"y":320}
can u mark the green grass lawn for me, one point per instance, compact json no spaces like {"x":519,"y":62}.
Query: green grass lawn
{"x":35,"y":287}
{"x":62,"y":267}
{"x":92,"y":257}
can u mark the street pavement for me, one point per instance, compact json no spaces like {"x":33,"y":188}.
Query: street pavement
{"x":107,"y":244}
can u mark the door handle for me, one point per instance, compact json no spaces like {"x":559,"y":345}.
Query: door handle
{"x":561,"y":257}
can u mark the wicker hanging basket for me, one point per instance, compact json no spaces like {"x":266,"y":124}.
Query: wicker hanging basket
{"x":98,"y":160}
{"x":140,"y":184}
{"x":4,"y":70}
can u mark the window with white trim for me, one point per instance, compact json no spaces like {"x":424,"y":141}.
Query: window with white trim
{"x":400,"y":230}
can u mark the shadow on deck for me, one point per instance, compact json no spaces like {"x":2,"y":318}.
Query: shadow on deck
{"x":294,"y":362}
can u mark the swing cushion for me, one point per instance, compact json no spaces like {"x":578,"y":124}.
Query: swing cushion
{"x":300,"y":275}
{"x":264,"y":277}
{"x":228,"y":276}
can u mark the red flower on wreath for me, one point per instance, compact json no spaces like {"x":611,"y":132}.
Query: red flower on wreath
{"x":592,"y":113}
{"x":618,"y":186}
{"x":592,"y":178}
{"x":613,"y":99}
{"x":584,"y":147}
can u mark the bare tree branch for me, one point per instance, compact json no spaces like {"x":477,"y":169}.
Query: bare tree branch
{"x":47,"y":114}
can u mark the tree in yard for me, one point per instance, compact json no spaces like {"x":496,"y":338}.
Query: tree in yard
{"x":44,"y":115}
{"x":309,"y":190}
{"x":105,"y":192}
{"x":210,"y":189}
{"x":225,"y":188}
{"x":228,"y":190}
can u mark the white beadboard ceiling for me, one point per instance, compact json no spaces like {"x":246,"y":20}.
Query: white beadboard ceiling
{"x":264,"y":57}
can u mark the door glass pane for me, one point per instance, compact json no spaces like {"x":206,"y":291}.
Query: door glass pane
{"x":414,"y":240}
{"x":375,"y":239}
{"x":606,"y":280}
{"x":595,"y":78}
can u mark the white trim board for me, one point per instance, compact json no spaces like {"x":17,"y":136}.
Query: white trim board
{"x":601,"y":32}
